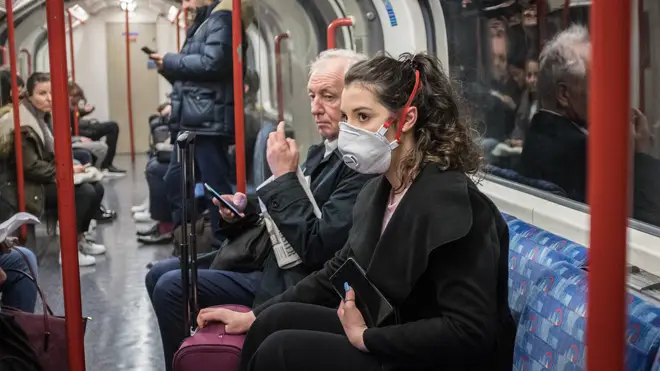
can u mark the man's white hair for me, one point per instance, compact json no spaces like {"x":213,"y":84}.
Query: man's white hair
{"x":349,"y":56}
{"x":563,"y":59}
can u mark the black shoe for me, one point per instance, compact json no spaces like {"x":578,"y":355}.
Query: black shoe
{"x":113,"y":169}
{"x":156,"y":238}
{"x":104,"y":215}
{"x":149,"y":231}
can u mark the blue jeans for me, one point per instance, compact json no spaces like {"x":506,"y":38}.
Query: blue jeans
{"x":18,"y":291}
{"x":214,"y":287}
{"x":159,"y":208}
{"x":212,"y":167}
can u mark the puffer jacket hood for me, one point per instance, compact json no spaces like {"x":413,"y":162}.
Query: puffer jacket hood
{"x":247,"y":10}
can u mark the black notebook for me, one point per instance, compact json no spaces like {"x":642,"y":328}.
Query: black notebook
{"x":373,"y":305}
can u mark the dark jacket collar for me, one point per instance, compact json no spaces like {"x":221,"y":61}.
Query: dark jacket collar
{"x":315,"y":158}
{"x":436,"y":210}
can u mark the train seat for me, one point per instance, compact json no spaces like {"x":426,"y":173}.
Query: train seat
{"x":527,"y":260}
{"x":551,"y":330}
{"x":521,"y":230}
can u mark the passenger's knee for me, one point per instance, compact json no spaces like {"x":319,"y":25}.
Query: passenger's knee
{"x":276,"y":314}
{"x":85,"y":192}
{"x":167,"y":290}
{"x":273,"y":349}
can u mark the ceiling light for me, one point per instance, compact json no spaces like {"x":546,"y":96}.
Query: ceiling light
{"x":129,"y":5}
{"x":79,"y":13}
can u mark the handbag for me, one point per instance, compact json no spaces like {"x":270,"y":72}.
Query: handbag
{"x":46,"y":332}
{"x":246,"y":250}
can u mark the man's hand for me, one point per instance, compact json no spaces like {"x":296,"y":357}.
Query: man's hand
{"x":158,"y":59}
{"x":642,"y":136}
{"x":89,"y":107}
{"x":3,"y":276}
{"x":281,"y":152}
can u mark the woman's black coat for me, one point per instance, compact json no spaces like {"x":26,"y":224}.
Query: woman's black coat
{"x":442,"y":262}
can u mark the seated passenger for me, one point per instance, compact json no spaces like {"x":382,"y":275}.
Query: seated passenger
{"x":95,"y":130}
{"x":17,"y":291}
{"x":555,"y":148}
{"x":428,"y":239}
{"x":39,"y":164}
{"x":334,"y":186}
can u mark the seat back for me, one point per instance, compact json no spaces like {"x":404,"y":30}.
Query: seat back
{"x":519,"y":229}
{"x":527,"y":260}
{"x":551,"y":331}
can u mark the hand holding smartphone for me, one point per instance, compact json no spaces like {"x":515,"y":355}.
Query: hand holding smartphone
{"x":226,"y":203}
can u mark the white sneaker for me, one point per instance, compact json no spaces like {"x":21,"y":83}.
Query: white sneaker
{"x":91,"y":248}
{"x":109,"y":174}
{"x":141,"y":208}
{"x":142,"y":217}
{"x":83,"y":260}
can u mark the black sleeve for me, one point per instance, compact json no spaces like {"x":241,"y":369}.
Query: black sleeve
{"x":313,"y":289}
{"x":464,"y":275}
{"x":314,"y":240}
{"x":34,"y":168}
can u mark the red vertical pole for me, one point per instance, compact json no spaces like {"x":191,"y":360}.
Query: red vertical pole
{"x":609,"y":111}
{"x":65,"y":193}
{"x":332,"y":30}
{"x":566,"y":14}
{"x":72,"y":56}
{"x":18,"y":143}
{"x":278,"y":75}
{"x":29,"y":60}
{"x":239,"y":114}
{"x":129,"y":98}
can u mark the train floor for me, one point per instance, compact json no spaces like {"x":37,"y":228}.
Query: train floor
{"x":123,"y":333}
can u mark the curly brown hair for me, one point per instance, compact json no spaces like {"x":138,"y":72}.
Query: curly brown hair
{"x":444,"y":131}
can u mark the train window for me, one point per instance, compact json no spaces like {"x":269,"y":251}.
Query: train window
{"x":528,"y":86}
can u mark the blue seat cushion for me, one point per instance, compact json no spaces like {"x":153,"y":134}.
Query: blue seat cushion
{"x":551,"y":330}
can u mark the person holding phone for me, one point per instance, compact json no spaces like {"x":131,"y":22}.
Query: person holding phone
{"x":334,"y":186}
{"x":423,"y":233}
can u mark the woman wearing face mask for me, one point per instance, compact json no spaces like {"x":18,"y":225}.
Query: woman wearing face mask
{"x":428,"y":239}
{"x":39,"y":164}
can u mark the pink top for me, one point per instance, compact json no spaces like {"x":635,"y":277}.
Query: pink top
{"x":392,"y":204}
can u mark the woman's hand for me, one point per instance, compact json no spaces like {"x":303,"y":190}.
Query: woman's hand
{"x":78,"y":169}
{"x":352,"y":320}
{"x":236,"y":323}
{"x":239,"y":200}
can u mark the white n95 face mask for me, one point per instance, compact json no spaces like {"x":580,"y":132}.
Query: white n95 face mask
{"x":371,"y":153}
{"x":364,"y":151}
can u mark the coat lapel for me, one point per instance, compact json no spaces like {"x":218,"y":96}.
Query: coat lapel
{"x":435,"y":211}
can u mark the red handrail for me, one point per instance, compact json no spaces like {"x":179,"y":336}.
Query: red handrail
{"x":175,"y":22}
{"x":65,"y":187}
{"x":129,"y":97}
{"x":609,"y":111}
{"x":542,"y":22}
{"x":332,"y":28}
{"x":239,"y":114}
{"x":72,"y":57}
{"x":566,"y":14}
{"x":29,"y":59}
{"x":5,"y":56}
{"x":18,"y":143}
{"x":278,"y":75}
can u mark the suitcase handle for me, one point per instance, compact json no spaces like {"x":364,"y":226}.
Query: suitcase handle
{"x":188,"y":244}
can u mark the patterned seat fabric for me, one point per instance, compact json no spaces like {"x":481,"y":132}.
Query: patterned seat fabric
{"x":551,"y":331}
{"x":527,"y":260}
{"x":519,"y":230}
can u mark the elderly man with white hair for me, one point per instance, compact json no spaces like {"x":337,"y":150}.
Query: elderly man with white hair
{"x":555,"y":147}
{"x":315,"y":240}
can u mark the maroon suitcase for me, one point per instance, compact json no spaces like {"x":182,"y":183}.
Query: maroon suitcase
{"x":209,"y":348}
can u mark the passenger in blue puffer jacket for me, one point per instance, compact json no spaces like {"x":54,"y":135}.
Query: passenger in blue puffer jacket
{"x":203,"y":97}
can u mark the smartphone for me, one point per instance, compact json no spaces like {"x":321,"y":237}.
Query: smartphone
{"x":373,"y":305}
{"x":227,"y":204}
{"x":148,"y":50}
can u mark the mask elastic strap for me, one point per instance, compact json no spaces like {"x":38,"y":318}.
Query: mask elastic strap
{"x":404,"y":112}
